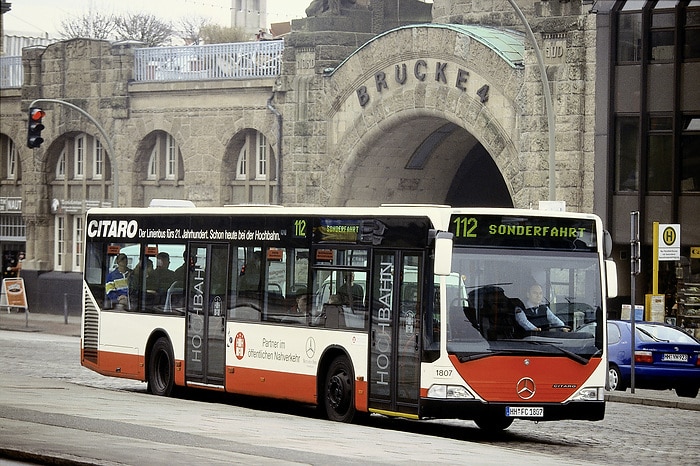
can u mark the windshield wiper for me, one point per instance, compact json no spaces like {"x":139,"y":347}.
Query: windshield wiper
{"x":570,"y":354}
{"x":474,"y":357}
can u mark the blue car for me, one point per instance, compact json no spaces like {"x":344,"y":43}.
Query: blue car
{"x":665,"y":357}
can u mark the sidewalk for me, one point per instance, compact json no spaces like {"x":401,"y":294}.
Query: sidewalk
{"x":56,"y":324}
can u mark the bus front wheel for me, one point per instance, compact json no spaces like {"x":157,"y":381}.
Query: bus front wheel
{"x":338,"y":402}
{"x":161,"y":368}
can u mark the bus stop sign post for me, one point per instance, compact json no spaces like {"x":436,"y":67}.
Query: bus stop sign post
{"x":635,"y":268}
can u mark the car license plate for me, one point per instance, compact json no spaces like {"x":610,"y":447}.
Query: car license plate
{"x":676,"y":357}
{"x":524,"y":411}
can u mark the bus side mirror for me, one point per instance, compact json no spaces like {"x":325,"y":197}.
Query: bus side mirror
{"x":607,"y":244}
{"x":611,"y":277}
{"x":443,"y":253}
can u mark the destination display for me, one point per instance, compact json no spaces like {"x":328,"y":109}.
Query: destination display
{"x":524,"y":232}
{"x":285,"y":230}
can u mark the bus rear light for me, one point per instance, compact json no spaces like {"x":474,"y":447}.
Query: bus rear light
{"x":449,"y":391}
{"x":643,"y":357}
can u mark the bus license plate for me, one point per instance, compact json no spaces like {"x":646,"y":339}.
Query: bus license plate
{"x":678,"y":357}
{"x":524,"y":411}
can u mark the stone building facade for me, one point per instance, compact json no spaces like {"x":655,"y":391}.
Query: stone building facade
{"x":386,"y":103}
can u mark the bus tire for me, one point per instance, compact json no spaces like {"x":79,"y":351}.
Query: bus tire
{"x":338,"y":389}
{"x":493,"y":423}
{"x":161,"y":368}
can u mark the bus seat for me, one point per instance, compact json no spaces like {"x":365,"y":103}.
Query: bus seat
{"x":333,"y":313}
{"x":175,"y":298}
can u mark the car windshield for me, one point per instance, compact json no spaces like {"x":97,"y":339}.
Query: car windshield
{"x":554,"y":293}
{"x":662,"y":333}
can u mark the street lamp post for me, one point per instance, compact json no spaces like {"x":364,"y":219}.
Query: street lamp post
{"x":108,"y":142}
{"x":547,"y":100}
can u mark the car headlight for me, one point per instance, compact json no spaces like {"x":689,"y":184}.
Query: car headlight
{"x":449,"y":391}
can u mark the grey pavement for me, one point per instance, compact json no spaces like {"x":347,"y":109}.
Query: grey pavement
{"x":59,"y":324}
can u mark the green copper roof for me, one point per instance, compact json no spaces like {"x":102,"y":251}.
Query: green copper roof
{"x":508,"y":44}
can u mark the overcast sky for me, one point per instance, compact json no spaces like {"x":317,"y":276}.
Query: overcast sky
{"x":37,"y":17}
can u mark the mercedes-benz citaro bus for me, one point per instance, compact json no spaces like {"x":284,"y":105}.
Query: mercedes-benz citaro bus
{"x":411,"y":311}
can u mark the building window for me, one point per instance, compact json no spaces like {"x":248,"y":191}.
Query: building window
{"x":691,"y":44}
{"x":659,"y":174}
{"x":153,"y":165}
{"x":242,"y":165}
{"x":98,"y":161}
{"x":662,"y":44}
{"x":626,"y":147}
{"x":171,"y":159}
{"x":629,"y":38}
{"x":164,"y":158}
{"x":690,"y":154}
{"x":77,"y":243}
{"x":261,"y":157}
{"x":61,"y":166}
{"x":11,"y":152}
{"x":12,"y":228}
{"x":79,"y":153}
{"x":60,"y":241}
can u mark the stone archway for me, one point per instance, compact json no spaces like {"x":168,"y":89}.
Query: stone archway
{"x":427,"y":114}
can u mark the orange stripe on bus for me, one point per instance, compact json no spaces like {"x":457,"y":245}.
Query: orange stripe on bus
{"x":282,"y":385}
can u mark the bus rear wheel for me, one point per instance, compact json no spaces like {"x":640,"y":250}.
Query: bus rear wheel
{"x":161,"y":368}
{"x":338,"y":402}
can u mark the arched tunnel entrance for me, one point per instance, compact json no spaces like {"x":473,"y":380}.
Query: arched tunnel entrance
{"x":424,"y":160}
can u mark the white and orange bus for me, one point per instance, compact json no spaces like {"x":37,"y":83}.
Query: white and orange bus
{"x":407,"y":311}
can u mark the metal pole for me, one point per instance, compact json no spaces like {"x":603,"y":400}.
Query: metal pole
{"x":65,"y":308}
{"x":635,"y":266}
{"x":547,"y":100}
{"x":108,"y":142}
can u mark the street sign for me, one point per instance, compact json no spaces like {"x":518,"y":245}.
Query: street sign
{"x":669,"y":242}
{"x":695,"y":252}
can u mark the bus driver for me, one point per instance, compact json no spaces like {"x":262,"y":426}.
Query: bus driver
{"x":536,"y":315}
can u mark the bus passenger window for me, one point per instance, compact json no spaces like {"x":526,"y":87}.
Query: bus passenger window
{"x":165,"y":280}
{"x":246,"y":296}
{"x":119,"y":277}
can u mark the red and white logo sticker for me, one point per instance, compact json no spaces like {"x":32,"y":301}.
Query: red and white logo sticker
{"x":239,"y":345}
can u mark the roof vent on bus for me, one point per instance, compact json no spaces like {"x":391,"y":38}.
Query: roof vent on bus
{"x":171,"y":203}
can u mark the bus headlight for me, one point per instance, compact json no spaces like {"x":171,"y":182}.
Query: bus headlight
{"x":591,"y":394}
{"x":449,"y":391}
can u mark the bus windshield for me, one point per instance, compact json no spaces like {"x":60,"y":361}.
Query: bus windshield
{"x":524,"y":302}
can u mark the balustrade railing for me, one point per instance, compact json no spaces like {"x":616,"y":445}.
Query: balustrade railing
{"x":10,"y":72}
{"x":245,"y":60}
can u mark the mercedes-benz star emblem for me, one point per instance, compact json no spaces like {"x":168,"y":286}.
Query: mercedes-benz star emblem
{"x":310,"y":347}
{"x":525,"y":388}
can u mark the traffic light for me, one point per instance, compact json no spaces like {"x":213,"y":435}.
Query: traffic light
{"x":34,"y":128}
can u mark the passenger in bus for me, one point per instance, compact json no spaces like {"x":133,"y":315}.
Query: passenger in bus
{"x":250,"y":273}
{"x":301,"y":303}
{"x":117,"y":283}
{"x":351,"y":294}
{"x":181,"y":272}
{"x":162,"y":277}
{"x":536,"y":315}
{"x":138,"y":272}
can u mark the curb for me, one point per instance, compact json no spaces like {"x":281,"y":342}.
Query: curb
{"x":635,"y":400}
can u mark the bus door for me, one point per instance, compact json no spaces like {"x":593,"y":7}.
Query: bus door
{"x":394,"y":365}
{"x":206,"y":316}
